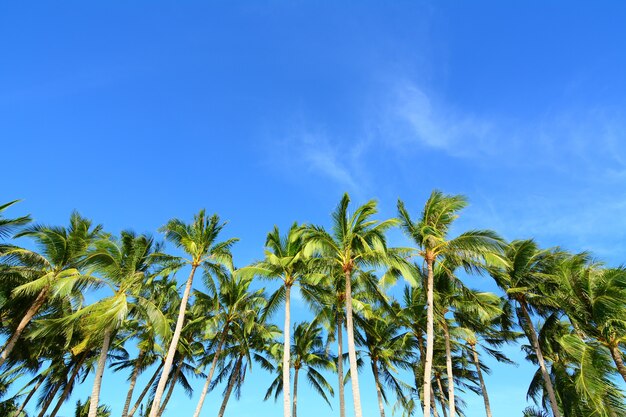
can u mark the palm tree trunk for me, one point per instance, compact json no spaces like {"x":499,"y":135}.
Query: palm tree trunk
{"x":432,"y":402}
{"x":619,"y":362}
{"x":229,"y":389}
{"x":451,"y":402}
{"x":133,"y":381}
{"x":287,"y":354}
{"x":419,"y":379}
{"x":209,"y":377}
{"x":544,"y":371}
{"x":32,"y":310}
{"x":342,"y":398}
{"x":483,"y":387}
{"x":295,"y":392}
{"x":145,"y":390}
{"x":430,"y":334}
{"x":442,"y":398}
{"x":379,"y":393}
{"x":30,"y":395}
{"x":354,"y":372}
{"x":48,"y":401}
{"x":97,"y":383}
{"x":68,"y":386}
{"x":170,"y":391}
{"x":169,"y":358}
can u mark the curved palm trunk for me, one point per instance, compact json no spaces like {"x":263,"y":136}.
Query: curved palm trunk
{"x":133,"y":381}
{"x":207,"y":383}
{"x":451,"y":402}
{"x":442,"y":398}
{"x":170,"y":390}
{"x":619,"y":362}
{"x":69,"y":385}
{"x":342,"y":399}
{"x":544,"y":371}
{"x":169,"y":358}
{"x":97,"y":383}
{"x":287,"y":356}
{"x":430,"y":334}
{"x":483,"y":387}
{"x":432,"y":402}
{"x":30,"y":395}
{"x":295,"y":392}
{"x":354,"y":372}
{"x":379,"y":393}
{"x":145,"y":390}
{"x":30,"y":313}
{"x":229,"y":389}
{"x":48,"y":401}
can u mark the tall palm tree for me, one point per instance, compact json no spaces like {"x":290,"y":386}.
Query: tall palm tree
{"x":594,"y":299}
{"x":199,"y":240}
{"x":390,"y":348}
{"x":124,"y":265}
{"x":309,"y":354}
{"x":356,"y":241}
{"x":50,"y":273}
{"x":237,"y":306}
{"x":430,"y":234}
{"x":528,"y":280}
{"x":285,"y":261}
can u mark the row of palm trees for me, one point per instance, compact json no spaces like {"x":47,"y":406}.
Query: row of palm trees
{"x":424,"y":346}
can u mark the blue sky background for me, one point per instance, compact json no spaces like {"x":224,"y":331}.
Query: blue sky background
{"x":267,"y":111}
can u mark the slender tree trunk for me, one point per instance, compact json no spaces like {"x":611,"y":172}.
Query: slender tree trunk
{"x":287,"y":353}
{"x":209,"y":377}
{"x":442,"y":398}
{"x":342,"y":398}
{"x":33,"y":309}
{"x":544,"y":371}
{"x":295,"y":392}
{"x":47,"y":403}
{"x":170,"y":390}
{"x":483,"y":387}
{"x":69,"y":385}
{"x":379,"y":393}
{"x":354,"y":372}
{"x":430,"y":334}
{"x":432,"y":402}
{"x":416,"y":368}
{"x":169,"y":358}
{"x":133,"y":381}
{"x":229,"y":389}
{"x":619,"y":361}
{"x":145,"y":390}
{"x":30,"y":395}
{"x":451,"y":402}
{"x":97,"y":383}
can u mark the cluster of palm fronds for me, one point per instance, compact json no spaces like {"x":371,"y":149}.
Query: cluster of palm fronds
{"x":75,"y":298}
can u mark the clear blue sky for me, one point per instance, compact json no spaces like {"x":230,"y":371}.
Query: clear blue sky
{"x":266,"y":112}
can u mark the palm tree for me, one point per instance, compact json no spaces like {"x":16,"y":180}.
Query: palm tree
{"x":524,"y":278}
{"x":356,"y":241}
{"x":284,"y":260}
{"x":51,"y":273}
{"x":309,"y":354}
{"x":469,"y":249}
{"x":199,"y":240}
{"x":237,"y":306}
{"x":389,"y":347}
{"x":594,"y":299}
{"x":124,"y":265}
